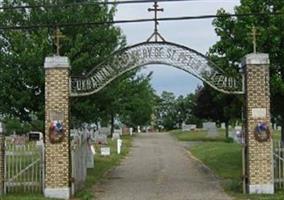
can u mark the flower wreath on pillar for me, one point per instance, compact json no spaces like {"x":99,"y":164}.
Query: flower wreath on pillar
{"x":56,"y":132}
{"x":262,"y":132}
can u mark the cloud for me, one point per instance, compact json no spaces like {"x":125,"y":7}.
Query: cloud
{"x":196,"y":34}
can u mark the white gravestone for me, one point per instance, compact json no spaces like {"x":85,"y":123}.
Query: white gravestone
{"x":105,"y":151}
{"x":131,"y":131}
{"x":105,"y":131}
{"x":238,"y":134}
{"x":101,"y":139}
{"x":90,"y":157}
{"x":211,"y":128}
{"x":188,"y":127}
{"x":116,"y":134}
{"x":119,"y":143}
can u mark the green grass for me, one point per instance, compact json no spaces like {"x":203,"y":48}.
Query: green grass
{"x":198,"y":135}
{"x":276,"y":135}
{"x":202,"y":135}
{"x":103,"y":165}
{"x":224,"y":159}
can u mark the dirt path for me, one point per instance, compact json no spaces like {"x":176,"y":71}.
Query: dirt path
{"x":159,"y":168}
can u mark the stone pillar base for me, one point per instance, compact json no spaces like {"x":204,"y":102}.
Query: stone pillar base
{"x":261,"y":189}
{"x":58,"y":193}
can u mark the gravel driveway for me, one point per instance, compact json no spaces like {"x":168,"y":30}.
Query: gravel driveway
{"x":159,"y":168}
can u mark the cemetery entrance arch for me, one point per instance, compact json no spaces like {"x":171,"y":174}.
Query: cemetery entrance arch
{"x":147,"y":53}
{"x":59,"y":87}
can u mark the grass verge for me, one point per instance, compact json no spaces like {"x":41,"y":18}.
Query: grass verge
{"x":198,"y":135}
{"x":103,"y":165}
{"x":225,"y":160}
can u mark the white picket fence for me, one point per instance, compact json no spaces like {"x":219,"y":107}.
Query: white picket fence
{"x":82,"y":158}
{"x":24,"y":164}
{"x":23,"y":168}
{"x":278,"y":162}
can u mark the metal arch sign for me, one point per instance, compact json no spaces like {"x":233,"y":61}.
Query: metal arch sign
{"x":147,"y":53}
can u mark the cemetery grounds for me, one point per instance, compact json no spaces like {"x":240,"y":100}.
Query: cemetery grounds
{"x":223,"y":157}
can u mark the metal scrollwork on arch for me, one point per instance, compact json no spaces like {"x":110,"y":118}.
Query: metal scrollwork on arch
{"x":147,"y":53}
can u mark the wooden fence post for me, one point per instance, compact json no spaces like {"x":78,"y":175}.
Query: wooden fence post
{"x":2,"y":158}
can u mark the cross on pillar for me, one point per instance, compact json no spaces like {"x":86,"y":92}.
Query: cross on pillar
{"x":57,"y":36}
{"x":254,"y":34}
{"x":156,"y":9}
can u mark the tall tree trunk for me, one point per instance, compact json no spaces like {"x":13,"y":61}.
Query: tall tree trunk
{"x":227,"y":129}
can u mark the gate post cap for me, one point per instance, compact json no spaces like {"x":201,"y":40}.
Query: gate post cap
{"x":56,"y":62}
{"x":256,"y":59}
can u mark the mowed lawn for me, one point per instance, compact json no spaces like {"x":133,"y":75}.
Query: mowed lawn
{"x":224,"y":159}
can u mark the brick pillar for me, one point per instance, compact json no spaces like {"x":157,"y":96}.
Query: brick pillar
{"x":57,"y":155}
{"x":259,"y":158}
{"x":2,"y":158}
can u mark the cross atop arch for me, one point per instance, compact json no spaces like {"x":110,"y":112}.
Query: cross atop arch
{"x":156,"y":35}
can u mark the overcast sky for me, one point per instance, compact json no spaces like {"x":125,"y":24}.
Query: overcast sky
{"x":195,"y":34}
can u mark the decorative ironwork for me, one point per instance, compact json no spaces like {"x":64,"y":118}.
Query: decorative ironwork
{"x":147,"y":53}
{"x":156,"y":35}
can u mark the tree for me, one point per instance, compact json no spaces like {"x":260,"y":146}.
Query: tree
{"x":139,"y":101}
{"x":185,"y":108}
{"x":23,"y":52}
{"x":166,"y":113}
{"x":212,"y":105}
{"x":235,"y":42}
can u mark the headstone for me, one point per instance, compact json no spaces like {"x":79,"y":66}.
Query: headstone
{"x":279,"y":128}
{"x":35,"y":136}
{"x":118,"y":131}
{"x":131,"y":131}
{"x":92,"y":133}
{"x":90,"y":157}
{"x":115,"y":135}
{"x":93,"y":150}
{"x":119,"y":143}
{"x":101,"y":139}
{"x":138,"y":129}
{"x":105,"y":151}
{"x":211,"y":128}
{"x":125,"y":130}
{"x":231,"y":134}
{"x":223,"y":126}
{"x":188,"y":127}
{"x":105,"y":131}
{"x":238,"y":136}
